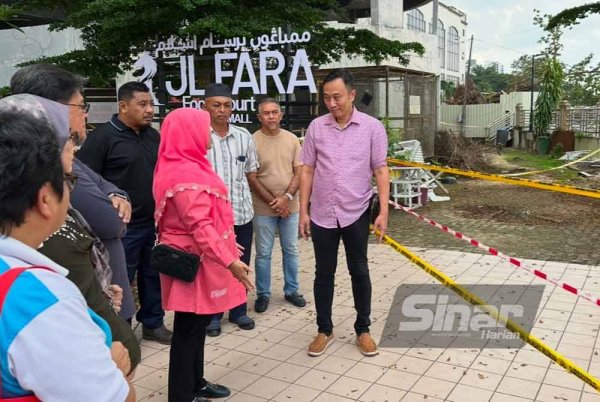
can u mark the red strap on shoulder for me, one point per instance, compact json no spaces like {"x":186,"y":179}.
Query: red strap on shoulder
{"x":6,"y":281}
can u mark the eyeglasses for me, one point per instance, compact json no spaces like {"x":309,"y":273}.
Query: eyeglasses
{"x":84,"y":106}
{"x":71,"y":180}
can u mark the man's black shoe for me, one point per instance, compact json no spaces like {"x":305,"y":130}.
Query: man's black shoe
{"x":214,"y":328}
{"x":160,"y":334}
{"x":261,"y":304}
{"x":296,"y":299}
{"x":213,"y":391}
{"x":244,"y":322}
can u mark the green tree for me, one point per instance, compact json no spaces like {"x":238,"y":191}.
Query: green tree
{"x":448,"y":89}
{"x":581,"y":84}
{"x":551,"y":83}
{"x":570,"y":16}
{"x":520,"y":78}
{"x":488,"y":79}
{"x":115,"y":30}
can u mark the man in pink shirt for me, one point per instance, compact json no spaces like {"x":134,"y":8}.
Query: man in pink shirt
{"x":342,"y":151}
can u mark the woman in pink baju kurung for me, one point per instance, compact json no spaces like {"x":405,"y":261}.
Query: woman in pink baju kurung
{"x":193,"y":214}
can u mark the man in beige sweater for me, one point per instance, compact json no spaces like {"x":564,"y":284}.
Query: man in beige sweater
{"x":274,"y":186}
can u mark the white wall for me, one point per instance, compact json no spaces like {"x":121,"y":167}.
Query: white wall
{"x":479,"y":116}
{"x":33,"y":43}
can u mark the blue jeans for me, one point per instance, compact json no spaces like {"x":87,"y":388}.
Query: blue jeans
{"x":265,"y":228}
{"x":243,"y":236}
{"x":138,"y":243}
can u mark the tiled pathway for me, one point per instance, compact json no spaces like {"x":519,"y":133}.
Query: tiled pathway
{"x":270,"y":363}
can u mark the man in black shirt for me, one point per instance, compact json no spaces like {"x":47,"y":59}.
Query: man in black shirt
{"x":124,"y":152}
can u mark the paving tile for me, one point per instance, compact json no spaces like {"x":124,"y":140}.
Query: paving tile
{"x":296,"y":393}
{"x":498,"y":397}
{"x":319,"y":380}
{"x":398,"y":379}
{"x":518,"y":387}
{"x":491,"y":364}
{"x":238,"y":380}
{"x":280,"y":352}
{"x":379,"y":393}
{"x":287,"y":372}
{"x":444,"y":371}
{"x":415,"y":397}
{"x":156,"y":397}
{"x":154,"y":381}
{"x":244,"y":397}
{"x":412,"y":364}
{"x":327,"y":397}
{"x":433,"y":387}
{"x":562,"y":378}
{"x":349,"y":387}
{"x":266,"y":387}
{"x":465,"y":393}
{"x":365,"y":371}
{"x":213,"y":371}
{"x":553,"y":393}
{"x":335,"y":364}
{"x":159,"y":359}
{"x":480,"y":379}
{"x":233,"y":359}
{"x":259,"y":365}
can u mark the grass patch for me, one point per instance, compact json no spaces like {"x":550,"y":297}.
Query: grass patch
{"x":529,"y":160}
{"x":533,"y":161}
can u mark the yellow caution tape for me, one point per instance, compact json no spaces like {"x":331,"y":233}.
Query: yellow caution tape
{"x":554,"y":168}
{"x":493,"y":312}
{"x":586,"y":192}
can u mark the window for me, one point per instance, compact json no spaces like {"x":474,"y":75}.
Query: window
{"x":453,"y":49}
{"x":441,"y":33}
{"x":415,"y":20}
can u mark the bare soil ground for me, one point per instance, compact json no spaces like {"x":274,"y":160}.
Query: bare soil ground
{"x":520,"y":221}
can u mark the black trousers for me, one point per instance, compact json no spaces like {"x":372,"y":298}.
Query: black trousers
{"x":243,"y":236}
{"x":186,"y":361}
{"x":326,"y":243}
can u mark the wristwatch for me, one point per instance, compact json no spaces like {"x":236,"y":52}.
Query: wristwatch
{"x":289,"y":196}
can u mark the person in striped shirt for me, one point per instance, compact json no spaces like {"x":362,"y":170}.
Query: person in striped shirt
{"x":233,"y":156}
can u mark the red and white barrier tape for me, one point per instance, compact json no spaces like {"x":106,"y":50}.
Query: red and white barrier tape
{"x":493,"y":251}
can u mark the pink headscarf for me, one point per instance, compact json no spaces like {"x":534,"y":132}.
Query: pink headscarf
{"x":182,"y":163}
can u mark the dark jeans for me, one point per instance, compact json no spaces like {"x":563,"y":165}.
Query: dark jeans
{"x":138,"y":243}
{"x":326,"y":243}
{"x":243,"y":236}
{"x":186,"y":359}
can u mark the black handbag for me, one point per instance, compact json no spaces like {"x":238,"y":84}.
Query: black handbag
{"x":173,"y":262}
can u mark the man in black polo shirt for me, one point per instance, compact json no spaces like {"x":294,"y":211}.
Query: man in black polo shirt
{"x":124,"y":152}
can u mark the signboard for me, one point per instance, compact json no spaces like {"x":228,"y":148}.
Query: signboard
{"x":233,"y":65}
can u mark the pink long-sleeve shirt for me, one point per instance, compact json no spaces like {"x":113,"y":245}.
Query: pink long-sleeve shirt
{"x":344,"y":161}
{"x":191,"y":222}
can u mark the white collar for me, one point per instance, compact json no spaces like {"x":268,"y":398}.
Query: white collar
{"x":13,"y":248}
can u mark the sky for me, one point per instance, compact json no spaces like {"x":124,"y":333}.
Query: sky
{"x":504,"y":30}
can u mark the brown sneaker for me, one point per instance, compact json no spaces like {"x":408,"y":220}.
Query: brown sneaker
{"x":319,"y":344}
{"x":366,"y":344}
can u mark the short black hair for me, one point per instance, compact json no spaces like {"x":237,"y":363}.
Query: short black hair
{"x":47,"y":81}
{"x":29,"y":158}
{"x":264,"y":101}
{"x":126,"y":91}
{"x":344,"y":74}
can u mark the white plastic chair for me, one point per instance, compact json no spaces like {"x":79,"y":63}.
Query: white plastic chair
{"x":412,"y":151}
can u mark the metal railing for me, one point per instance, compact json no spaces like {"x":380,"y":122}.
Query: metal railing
{"x":506,"y":121}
